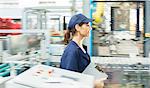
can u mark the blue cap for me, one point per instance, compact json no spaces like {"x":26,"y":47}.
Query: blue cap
{"x":76,"y":19}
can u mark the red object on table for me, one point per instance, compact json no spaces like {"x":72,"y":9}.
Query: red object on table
{"x":7,"y":23}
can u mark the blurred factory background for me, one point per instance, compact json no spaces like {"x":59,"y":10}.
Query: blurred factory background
{"x":32,"y":33}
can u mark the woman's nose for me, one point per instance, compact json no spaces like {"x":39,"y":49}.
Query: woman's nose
{"x":90,"y":28}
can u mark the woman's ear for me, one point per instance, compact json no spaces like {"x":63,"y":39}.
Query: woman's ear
{"x":77,"y":27}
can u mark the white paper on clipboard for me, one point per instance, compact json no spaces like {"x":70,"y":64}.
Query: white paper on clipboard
{"x":91,"y":70}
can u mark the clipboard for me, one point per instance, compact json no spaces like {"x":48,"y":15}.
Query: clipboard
{"x":91,"y":70}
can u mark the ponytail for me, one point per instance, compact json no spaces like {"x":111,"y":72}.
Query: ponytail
{"x":69,"y":33}
{"x":67,"y":36}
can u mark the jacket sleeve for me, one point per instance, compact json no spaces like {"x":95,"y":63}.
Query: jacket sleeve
{"x":70,"y":61}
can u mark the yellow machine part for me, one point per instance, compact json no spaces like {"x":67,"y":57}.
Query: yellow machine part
{"x":99,"y":12}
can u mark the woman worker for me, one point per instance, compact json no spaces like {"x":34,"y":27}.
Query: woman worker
{"x":75,"y":56}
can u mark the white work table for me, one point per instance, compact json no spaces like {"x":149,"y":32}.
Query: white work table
{"x":42,"y":76}
{"x":3,"y":80}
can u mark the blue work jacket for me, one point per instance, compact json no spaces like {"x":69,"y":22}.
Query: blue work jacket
{"x":74,"y":58}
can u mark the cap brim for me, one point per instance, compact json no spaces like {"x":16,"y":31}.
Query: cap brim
{"x":88,"y":20}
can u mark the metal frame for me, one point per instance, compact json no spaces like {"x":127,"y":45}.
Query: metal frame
{"x":146,"y":47}
{"x":41,"y":13}
{"x":120,"y":1}
{"x":147,"y":29}
{"x":91,"y":35}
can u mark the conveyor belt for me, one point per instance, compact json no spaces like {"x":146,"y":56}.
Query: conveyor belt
{"x":111,"y":60}
{"x":119,"y":60}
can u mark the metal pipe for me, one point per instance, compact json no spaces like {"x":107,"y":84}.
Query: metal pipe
{"x":6,"y":73}
{"x":4,"y":68}
{"x":138,"y":33}
{"x":3,"y":65}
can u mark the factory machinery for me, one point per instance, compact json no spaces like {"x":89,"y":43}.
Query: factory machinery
{"x":21,"y":52}
{"x":127,"y":72}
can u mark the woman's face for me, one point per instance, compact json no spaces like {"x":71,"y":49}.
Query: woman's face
{"x":85,"y":29}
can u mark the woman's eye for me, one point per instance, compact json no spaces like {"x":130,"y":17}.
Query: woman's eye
{"x":87,"y":25}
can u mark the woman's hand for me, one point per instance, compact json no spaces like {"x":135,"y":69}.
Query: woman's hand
{"x":98,"y":83}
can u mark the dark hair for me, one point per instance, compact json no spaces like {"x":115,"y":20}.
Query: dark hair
{"x":69,"y":33}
